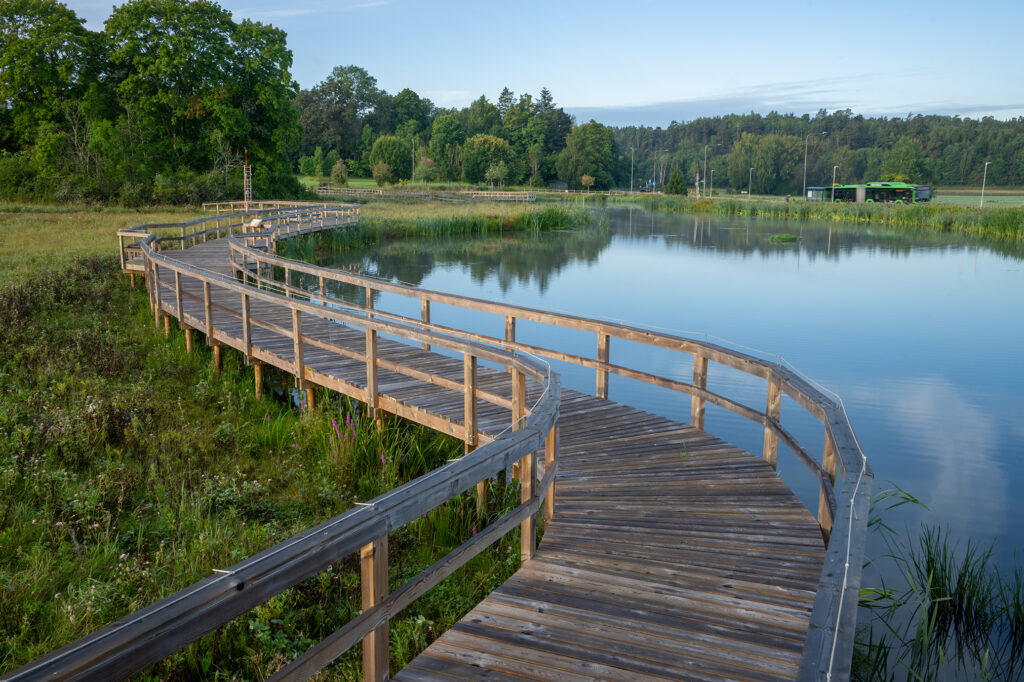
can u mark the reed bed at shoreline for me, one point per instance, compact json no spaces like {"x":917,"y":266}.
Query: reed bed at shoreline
{"x":999,"y":222}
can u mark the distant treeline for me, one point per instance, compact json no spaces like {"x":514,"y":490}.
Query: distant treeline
{"x":161,"y":105}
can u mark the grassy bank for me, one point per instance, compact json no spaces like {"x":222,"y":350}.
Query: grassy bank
{"x":1000,"y":222}
{"x":130,"y":469}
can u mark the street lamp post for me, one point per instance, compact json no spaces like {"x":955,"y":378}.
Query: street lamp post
{"x":834,"y":183}
{"x":984,"y":177}
{"x":711,"y":191}
{"x":806,"y":138}
{"x":717,"y":144}
{"x":750,"y":181}
{"x":631,"y":169}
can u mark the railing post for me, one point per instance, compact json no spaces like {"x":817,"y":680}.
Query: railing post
{"x":371,"y":373}
{"x":469,"y":418}
{"x":177,"y":299}
{"x":550,"y":460}
{"x":208,"y":309}
{"x":369,"y":302}
{"x":373,"y":559}
{"x":299,"y":368}
{"x":771,"y":412}
{"x":700,"y":380}
{"x":527,"y":486}
{"x":828,"y":465}
{"x":425,"y":316}
{"x":156,"y":294}
{"x":602,"y":374}
{"x":246,"y":329}
{"x":323,"y":288}
{"x":287,"y":281}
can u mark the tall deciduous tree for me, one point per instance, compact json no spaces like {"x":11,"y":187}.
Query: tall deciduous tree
{"x":47,"y":57}
{"x":446,"y":140}
{"x":589,"y":150}
{"x":334,"y":113}
{"x":396,"y":153}
{"x":480,"y":153}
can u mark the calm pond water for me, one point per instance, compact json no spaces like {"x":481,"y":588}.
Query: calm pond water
{"x":921,"y":335}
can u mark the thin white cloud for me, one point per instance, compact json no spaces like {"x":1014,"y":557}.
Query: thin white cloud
{"x":448,"y":98}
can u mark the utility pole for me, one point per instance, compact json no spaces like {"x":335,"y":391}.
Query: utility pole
{"x":750,"y":182}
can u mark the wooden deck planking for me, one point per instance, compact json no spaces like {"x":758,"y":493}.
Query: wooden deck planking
{"x":672,"y":554}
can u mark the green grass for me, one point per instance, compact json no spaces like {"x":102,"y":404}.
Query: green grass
{"x":130,"y":469}
{"x":971,"y":196}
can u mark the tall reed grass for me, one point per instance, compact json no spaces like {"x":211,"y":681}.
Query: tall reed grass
{"x":1002,"y":222}
{"x":946,"y":612}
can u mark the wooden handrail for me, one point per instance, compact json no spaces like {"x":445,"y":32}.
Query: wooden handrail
{"x":844,"y":477}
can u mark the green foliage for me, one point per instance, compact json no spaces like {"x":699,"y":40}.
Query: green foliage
{"x":395,"y":153}
{"x":496,"y":173}
{"x":446,"y":140}
{"x":590,"y":149}
{"x":381,"y":173}
{"x":170,"y":86}
{"x":480,"y":153}
{"x":339,"y":173}
{"x":675,"y":185}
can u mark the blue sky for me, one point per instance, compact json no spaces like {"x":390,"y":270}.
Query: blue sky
{"x":653,"y":61}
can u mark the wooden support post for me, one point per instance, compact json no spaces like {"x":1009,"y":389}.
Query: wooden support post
{"x":257,"y":371}
{"x":177,"y":300}
{"x":528,"y":528}
{"x":700,"y":380}
{"x":371,"y":374}
{"x":425,"y":316}
{"x":323,"y":287}
{"x":287,"y":281}
{"x":602,"y":374}
{"x":156,"y":295}
{"x":369,"y":302}
{"x":373,"y":560}
{"x":828,"y":464}
{"x":131,"y":276}
{"x":217,"y":356}
{"x":167,"y":326}
{"x":208,"y":309}
{"x":310,"y":396}
{"x":188,"y":340}
{"x":246,"y":329}
{"x":298,"y":369}
{"x":771,"y":411}
{"x":550,"y":457}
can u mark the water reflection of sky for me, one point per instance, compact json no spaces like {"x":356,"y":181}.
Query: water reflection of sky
{"x":921,"y":334}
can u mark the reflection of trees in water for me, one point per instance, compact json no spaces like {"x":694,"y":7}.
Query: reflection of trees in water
{"x":522,"y":257}
{"x":751,"y":236}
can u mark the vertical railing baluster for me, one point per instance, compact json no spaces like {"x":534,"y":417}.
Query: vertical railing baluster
{"x":246,"y":329}
{"x":299,"y":367}
{"x":177,"y":299}
{"x":371,"y":373}
{"x":156,"y":294}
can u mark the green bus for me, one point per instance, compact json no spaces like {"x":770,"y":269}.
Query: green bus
{"x":873,"y":193}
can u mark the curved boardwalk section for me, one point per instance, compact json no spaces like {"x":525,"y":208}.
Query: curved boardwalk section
{"x":671,"y":555}
{"x":666,"y":554}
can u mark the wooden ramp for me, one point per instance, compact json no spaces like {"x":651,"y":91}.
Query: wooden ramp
{"x":671,"y":555}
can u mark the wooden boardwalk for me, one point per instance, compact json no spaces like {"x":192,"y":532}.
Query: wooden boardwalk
{"x":671,"y":555}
